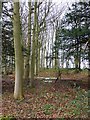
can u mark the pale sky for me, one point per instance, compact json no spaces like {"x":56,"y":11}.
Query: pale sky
{"x":58,"y":1}
{"x":64,"y":1}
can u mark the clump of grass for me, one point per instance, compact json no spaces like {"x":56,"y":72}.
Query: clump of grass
{"x":79,"y":105}
{"x":7,"y":118}
{"x":47,"y":108}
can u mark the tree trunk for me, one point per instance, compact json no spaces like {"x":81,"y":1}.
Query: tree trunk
{"x":18,"y":90}
{"x":37,"y":43}
{"x":39,"y":55}
{"x":76,"y":63}
{"x":33,"y":47}
{"x":77,"y":56}
{"x":56,"y":49}
{"x":67,"y":63}
{"x":27,"y":65}
{"x":89,"y":60}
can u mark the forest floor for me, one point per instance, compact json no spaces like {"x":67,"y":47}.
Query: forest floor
{"x":47,"y":100}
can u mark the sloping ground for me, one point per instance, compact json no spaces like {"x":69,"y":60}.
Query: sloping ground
{"x":47,"y":100}
{"x":64,"y":75}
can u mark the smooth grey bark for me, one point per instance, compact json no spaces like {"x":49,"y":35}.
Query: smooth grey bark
{"x":37,"y":46}
{"x":27,"y":59}
{"x":18,"y":89}
{"x":33,"y":47}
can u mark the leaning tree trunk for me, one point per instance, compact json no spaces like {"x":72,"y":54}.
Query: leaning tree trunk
{"x":18,"y":90}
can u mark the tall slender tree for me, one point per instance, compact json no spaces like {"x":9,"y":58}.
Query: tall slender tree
{"x":27,"y":60}
{"x":18,"y":90}
{"x":37,"y":43}
{"x":33,"y":47}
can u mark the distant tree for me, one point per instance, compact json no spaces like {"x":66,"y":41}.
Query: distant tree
{"x":7,"y":38}
{"x":75,"y":32}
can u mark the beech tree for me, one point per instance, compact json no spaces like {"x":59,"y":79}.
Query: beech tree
{"x":27,"y":60}
{"x":18,"y":90}
{"x":33,"y":46}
